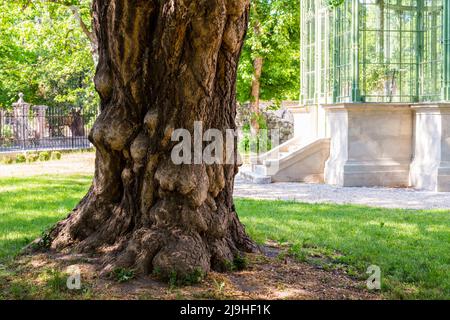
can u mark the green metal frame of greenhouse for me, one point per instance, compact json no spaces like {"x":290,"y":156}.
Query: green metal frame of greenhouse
{"x":375,"y":51}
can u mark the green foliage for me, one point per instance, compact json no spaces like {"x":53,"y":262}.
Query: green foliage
{"x":173,"y":279}
{"x":255,"y":143}
{"x":45,"y":241}
{"x":123,"y":274}
{"x":244,"y":143}
{"x":20,"y":158}
{"x":7,"y":131}
{"x":7,"y":160}
{"x":335,"y":3}
{"x":260,"y":119}
{"x":32,"y":157}
{"x":240,"y":262}
{"x":56,"y":280}
{"x":56,"y":155}
{"x":156,"y":272}
{"x":45,"y":55}
{"x":191,"y":278}
{"x":297,"y":252}
{"x":219,"y":288}
{"x":376,"y":76}
{"x":274,"y":35}
{"x":20,"y":291}
{"x":44,"y":156}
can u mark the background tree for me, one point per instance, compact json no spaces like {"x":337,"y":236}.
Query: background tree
{"x":46,"y":55}
{"x":162,"y":65}
{"x":270,"y":64}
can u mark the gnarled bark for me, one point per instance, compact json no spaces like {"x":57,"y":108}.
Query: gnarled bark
{"x":162,"y":66}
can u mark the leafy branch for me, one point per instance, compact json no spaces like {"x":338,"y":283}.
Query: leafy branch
{"x":335,"y":3}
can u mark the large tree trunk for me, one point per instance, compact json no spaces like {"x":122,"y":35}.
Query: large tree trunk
{"x":162,"y":66}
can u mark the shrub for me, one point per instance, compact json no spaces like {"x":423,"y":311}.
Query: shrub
{"x":193,"y":277}
{"x":123,"y":275}
{"x":244,"y":144}
{"x":56,"y":155}
{"x":45,"y":241}
{"x":32,"y":157}
{"x":44,"y":156}
{"x":20,"y":158}
{"x":174,"y":279}
{"x":240,"y":262}
{"x":7,"y":131}
{"x":7,"y":160}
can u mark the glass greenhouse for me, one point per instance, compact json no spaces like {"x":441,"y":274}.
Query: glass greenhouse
{"x":375,"y":51}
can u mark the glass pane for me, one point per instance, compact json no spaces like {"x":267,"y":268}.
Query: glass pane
{"x":400,"y":53}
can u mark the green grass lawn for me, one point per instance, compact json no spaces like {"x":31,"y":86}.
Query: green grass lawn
{"x":411,"y":247}
{"x":29,"y":206}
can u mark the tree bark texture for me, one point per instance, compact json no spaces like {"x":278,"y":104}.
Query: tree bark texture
{"x":163,"y":64}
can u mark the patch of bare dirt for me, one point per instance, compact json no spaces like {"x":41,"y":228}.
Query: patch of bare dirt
{"x":266,"y":277}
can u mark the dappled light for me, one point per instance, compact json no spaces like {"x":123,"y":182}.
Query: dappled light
{"x":225,"y":150}
{"x":410,"y":246}
{"x":32,"y":205}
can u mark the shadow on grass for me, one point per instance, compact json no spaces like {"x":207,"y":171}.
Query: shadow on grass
{"x":32,"y":205}
{"x":411,"y":247}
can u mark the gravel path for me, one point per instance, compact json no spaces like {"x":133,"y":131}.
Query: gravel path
{"x":70,"y":163}
{"x":83,"y":163}
{"x":322,"y":193}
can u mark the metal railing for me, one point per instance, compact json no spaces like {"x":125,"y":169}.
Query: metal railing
{"x":42,"y":128}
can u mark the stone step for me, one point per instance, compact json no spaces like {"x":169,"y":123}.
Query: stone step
{"x":293,"y":148}
{"x":260,"y":170}
{"x":253,"y":177}
{"x":278,"y":156}
{"x":283,"y":154}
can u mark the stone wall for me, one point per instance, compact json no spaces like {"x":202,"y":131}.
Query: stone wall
{"x":281,"y":119}
{"x":389,"y":145}
{"x":430,"y":169}
{"x":371,"y":145}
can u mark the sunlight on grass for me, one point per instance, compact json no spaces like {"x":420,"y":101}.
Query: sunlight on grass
{"x":411,"y":247}
{"x":31,"y":205}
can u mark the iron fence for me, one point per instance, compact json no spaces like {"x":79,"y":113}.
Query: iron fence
{"x":42,"y":128}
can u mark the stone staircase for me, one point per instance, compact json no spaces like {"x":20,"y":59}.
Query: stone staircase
{"x":292,"y":161}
